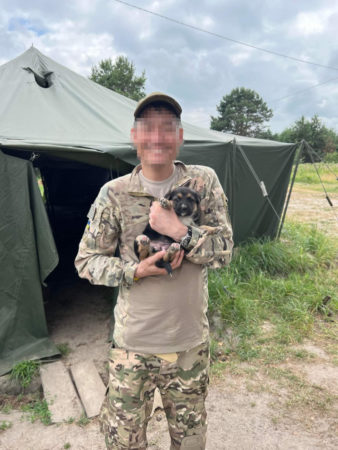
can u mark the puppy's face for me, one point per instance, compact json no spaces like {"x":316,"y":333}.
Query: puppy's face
{"x":185,"y":201}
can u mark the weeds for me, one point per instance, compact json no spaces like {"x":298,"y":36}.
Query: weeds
{"x":38,"y":410}
{"x":5,"y":406}
{"x":64,"y":348}
{"x":70,"y":420}
{"x":24,"y":372}
{"x":83,"y":421}
{"x":4,"y":425}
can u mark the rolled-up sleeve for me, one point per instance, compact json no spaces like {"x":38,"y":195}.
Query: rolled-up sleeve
{"x":212,"y":246}
{"x":95,"y":260}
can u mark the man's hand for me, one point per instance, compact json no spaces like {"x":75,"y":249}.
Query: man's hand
{"x":165,"y":221}
{"x":147,"y":267}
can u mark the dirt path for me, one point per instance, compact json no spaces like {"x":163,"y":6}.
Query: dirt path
{"x":292,"y":405}
{"x":246,"y":410}
{"x":309,"y":206}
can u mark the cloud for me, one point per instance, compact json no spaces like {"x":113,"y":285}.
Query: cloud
{"x":197,"y":68}
{"x":313,"y":22}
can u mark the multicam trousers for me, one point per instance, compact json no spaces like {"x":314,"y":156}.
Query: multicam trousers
{"x":133,"y":378}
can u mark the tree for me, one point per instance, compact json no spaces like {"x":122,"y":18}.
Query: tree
{"x":267,"y":134}
{"x":119,"y":77}
{"x":322,"y":139}
{"x":241,"y":112}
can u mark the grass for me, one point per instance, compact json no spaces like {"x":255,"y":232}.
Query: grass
{"x":70,"y":420}
{"x":64,"y":348}
{"x":290,"y":284}
{"x":301,"y":393}
{"x":4,"y":425}
{"x":37,"y":409}
{"x":307,"y":175}
{"x":83,"y":421}
{"x":5,"y":406}
{"x":24,"y":372}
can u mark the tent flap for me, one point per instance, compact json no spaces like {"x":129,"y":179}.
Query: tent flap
{"x":27,"y":256}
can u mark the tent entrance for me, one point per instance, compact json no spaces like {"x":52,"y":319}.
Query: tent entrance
{"x":70,"y":189}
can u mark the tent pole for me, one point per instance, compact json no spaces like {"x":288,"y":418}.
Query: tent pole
{"x":302,"y":145}
{"x":232,"y":206}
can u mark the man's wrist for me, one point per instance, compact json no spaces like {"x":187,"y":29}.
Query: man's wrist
{"x":179,"y":233}
{"x":138,"y":273}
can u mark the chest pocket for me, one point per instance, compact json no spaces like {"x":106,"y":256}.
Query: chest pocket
{"x":136,"y":217}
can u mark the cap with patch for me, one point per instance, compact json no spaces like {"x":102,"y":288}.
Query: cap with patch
{"x":157,"y":97}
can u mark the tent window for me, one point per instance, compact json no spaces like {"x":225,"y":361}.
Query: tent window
{"x":44,"y":80}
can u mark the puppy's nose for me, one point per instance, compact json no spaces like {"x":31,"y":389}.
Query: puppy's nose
{"x":184,"y":206}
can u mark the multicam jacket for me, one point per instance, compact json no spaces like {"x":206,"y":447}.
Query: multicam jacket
{"x":156,"y":314}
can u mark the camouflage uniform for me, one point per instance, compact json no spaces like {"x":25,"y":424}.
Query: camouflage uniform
{"x":118,"y":215}
{"x":183,"y":385}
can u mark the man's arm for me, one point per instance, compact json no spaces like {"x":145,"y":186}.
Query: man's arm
{"x":95,"y":259}
{"x":213,"y":247}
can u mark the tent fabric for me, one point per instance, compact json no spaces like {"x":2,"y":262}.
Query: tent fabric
{"x":27,"y":256}
{"x":73,"y":112}
{"x":79,"y":120}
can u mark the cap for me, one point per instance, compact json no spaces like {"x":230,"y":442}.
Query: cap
{"x":157,"y":97}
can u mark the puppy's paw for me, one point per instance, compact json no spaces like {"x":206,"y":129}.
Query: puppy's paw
{"x":171,"y":252}
{"x":165,"y":203}
{"x":142,"y":246}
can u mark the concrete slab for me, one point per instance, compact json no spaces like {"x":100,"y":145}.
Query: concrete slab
{"x":89,"y":386}
{"x":59,"y":391}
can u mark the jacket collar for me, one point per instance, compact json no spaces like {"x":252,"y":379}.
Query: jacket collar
{"x":135,"y":186}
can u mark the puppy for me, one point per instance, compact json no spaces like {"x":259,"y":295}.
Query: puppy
{"x":186,"y":204}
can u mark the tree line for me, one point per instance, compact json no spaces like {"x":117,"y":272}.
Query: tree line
{"x":242,"y":111}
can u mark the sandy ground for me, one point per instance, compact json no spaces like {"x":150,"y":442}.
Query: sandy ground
{"x":247,"y":409}
{"x":309,"y":206}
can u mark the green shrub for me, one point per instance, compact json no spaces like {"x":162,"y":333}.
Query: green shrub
{"x":331,"y":157}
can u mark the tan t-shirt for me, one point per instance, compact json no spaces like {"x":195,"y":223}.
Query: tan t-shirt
{"x":168,"y":305}
{"x":158,"y":189}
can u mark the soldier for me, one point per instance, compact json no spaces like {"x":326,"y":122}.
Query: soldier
{"x":161,"y":334}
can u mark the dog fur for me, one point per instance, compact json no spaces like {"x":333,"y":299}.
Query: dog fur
{"x":186,"y":203}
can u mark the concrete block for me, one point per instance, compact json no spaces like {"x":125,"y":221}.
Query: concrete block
{"x":89,"y":386}
{"x":59,"y":392}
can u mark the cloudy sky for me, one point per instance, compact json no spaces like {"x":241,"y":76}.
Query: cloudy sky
{"x":195,"y":67}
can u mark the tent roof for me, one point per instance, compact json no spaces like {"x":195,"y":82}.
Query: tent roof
{"x":74,"y":114}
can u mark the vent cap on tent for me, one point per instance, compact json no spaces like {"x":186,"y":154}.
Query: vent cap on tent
{"x":44,"y":80}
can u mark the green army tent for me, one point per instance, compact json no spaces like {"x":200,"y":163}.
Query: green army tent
{"x":78,"y":133}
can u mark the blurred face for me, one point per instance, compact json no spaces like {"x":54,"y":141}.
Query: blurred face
{"x":157,"y":137}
